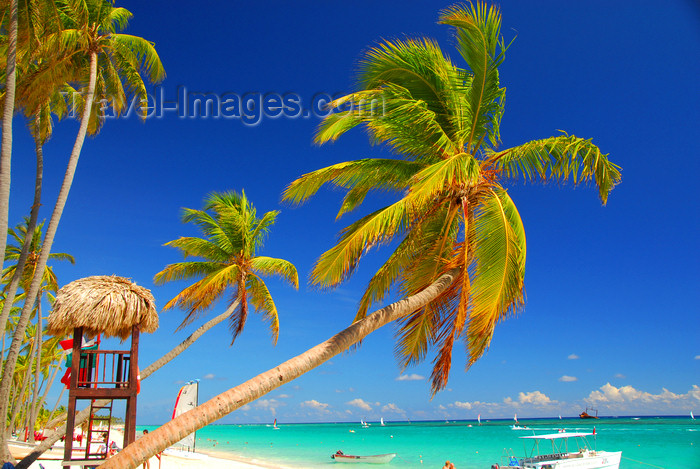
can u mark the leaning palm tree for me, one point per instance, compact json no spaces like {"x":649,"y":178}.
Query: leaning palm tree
{"x":226,"y":261}
{"x":459,"y":262}
{"x":90,"y":39}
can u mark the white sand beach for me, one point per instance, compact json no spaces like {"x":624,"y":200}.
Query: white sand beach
{"x":169,"y":459}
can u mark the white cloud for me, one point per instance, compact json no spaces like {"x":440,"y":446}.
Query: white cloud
{"x":627,"y":398}
{"x":463,"y":405}
{"x":411,"y":377}
{"x":573,"y":356}
{"x":391,"y":407}
{"x":268,"y":404}
{"x":359,"y":403}
{"x":697,"y":357}
{"x":620,"y":376}
{"x":209,"y":376}
{"x":314,"y":404}
{"x":568,"y":379}
{"x":284,"y":396}
{"x":535,"y":398}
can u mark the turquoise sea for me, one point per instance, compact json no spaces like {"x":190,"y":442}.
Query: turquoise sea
{"x":646,"y":442}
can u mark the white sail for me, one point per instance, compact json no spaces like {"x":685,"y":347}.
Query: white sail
{"x":691,"y":415}
{"x":186,"y":400}
{"x":515,"y":417}
{"x":381,"y":419}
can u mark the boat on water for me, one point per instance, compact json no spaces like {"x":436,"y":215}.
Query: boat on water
{"x":586,"y":415}
{"x":518,"y":427}
{"x":274,"y":425}
{"x":381,"y":421}
{"x":568,"y":450}
{"x":369,"y":459}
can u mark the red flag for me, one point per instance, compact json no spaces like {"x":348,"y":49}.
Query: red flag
{"x":66,"y":378}
{"x":66,"y":344}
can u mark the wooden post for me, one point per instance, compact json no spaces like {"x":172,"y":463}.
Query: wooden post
{"x":74,"y":370}
{"x":130,"y":419}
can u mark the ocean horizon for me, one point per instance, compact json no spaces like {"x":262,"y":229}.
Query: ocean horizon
{"x":667,"y":441}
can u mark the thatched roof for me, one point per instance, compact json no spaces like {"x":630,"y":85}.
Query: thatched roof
{"x":107,"y":305}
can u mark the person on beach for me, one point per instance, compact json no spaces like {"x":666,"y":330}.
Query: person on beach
{"x":448,"y":465}
{"x":147,"y":462}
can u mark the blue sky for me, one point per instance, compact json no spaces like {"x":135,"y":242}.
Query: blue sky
{"x":611,"y":318}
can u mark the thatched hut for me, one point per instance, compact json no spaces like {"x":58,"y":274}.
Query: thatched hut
{"x":104,"y":304}
{"x":113,"y":307}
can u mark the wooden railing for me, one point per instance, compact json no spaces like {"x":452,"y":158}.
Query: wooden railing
{"x":104,"y":368}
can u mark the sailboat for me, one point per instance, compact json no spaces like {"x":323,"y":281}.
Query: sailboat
{"x":691,"y":415}
{"x":274,"y":425}
{"x":363,"y":423}
{"x":186,"y":400}
{"x":381,"y":421}
{"x":478,"y":418}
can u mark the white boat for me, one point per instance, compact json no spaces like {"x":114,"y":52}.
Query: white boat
{"x":691,"y":415}
{"x":564,"y":454}
{"x":363,"y":423}
{"x":518,"y":427}
{"x":381,"y":421}
{"x":370,"y":459}
{"x":186,"y":400}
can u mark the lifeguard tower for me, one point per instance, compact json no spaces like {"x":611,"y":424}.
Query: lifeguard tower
{"x":109,"y":306}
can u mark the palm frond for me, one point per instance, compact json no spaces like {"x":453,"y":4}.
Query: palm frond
{"x":186,"y":271}
{"x":198,"y":247}
{"x":273,"y":266}
{"x":262,"y":301}
{"x":363,"y":175}
{"x":337,"y":263}
{"x":478,"y":38}
{"x":559,"y":158}
{"x":498,"y":276}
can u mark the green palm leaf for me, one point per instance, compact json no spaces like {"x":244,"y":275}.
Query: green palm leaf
{"x":559,"y":158}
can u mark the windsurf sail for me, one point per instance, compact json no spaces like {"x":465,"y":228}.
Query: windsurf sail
{"x":381,"y":420}
{"x":515,"y":417}
{"x":186,"y":400}
{"x":478,"y":417}
{"x":691,"y":415}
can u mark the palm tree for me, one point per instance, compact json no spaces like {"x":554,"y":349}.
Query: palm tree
{"x":459,"y":264}
{"x":226,"y":260}
{"x":89,"y":41}
{"x":8,"y":112}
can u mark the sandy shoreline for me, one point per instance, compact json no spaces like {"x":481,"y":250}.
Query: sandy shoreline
{"x":170,"y":460}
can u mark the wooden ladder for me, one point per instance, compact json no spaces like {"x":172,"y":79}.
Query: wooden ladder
{"x":97,"y":444}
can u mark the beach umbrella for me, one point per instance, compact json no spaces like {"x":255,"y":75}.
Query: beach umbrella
{"x":108,"y":305}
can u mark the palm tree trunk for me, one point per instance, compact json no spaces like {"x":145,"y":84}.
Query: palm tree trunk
{"x":25,"y":381}
{"x":6,"y":146}
{"x":48,"y":387}
{"x":228,"y":401}
{"x":83,"y":415}
{"x":48,"y":419}
{"x":32,"y":295}
{"x":162,"y":361}
{"x":37,"y":374}
{"x":31,"y":226}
